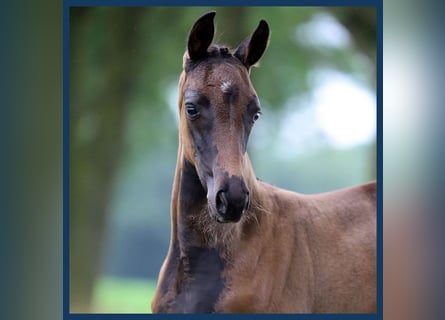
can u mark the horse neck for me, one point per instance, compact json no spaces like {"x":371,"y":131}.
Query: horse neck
{"x":192,"y":225}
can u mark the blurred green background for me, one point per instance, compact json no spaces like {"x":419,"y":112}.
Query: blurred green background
{"x":316,"y":83}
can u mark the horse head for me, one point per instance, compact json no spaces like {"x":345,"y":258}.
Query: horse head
{"x":218,"y":107}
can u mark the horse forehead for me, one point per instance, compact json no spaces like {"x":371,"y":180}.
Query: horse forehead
{"x":222,"y":76}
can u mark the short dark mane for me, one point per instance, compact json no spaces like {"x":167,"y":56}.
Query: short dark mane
{"x":215,"y":53}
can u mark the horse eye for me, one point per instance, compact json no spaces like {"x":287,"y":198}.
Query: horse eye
{"x":256,"y":116}
{"x":192,"y":111}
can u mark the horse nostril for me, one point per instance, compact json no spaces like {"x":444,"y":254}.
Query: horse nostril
{"x":246,"y":202}
{"x":221,"y":202}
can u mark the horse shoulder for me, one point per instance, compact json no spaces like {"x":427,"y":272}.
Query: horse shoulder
{"x":291,"y":270}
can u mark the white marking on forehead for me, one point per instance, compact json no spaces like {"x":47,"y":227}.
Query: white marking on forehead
{"x":226,"y":86}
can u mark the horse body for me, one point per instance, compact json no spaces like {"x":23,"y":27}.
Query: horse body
{"x":238,"y":244}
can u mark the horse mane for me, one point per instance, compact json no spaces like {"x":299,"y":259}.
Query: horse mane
{"x":215,"y":54}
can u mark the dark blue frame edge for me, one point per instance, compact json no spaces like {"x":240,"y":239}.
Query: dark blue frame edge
{"x":378,"y":4}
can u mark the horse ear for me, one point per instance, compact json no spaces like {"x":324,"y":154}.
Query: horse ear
{"x":253,"y":47}
{"x":201,"y":36}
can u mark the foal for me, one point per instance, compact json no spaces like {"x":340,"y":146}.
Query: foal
{"x":239,"y":244}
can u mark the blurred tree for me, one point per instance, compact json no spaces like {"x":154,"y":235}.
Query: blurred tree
{"x":361,"y":23}
{"x":100,"y":87}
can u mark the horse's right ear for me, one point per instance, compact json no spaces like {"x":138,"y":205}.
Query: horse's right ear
{"x":201,"y":36}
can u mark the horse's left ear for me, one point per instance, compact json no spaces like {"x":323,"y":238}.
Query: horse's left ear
{"x":201,"y":36}
{"x":253,"y":47}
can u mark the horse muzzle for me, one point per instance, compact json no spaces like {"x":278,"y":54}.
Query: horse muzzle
{"x":230,"y":201}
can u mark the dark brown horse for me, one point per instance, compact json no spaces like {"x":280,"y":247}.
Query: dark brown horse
{"x":239,"y":244}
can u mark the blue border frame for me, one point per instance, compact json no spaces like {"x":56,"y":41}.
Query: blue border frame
{"x":227,"y":3}
{"x":379,"y":155}
{"x":66,"y":157}
{"x":129,"y":316}
{"x":378,"y":4}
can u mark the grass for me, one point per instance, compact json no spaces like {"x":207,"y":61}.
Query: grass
{"x":123,"y":295}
